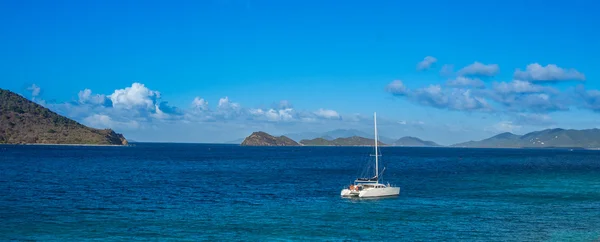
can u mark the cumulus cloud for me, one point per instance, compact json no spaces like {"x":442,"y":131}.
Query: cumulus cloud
{"x":86,"y":96}
{"x":136,"y":96}
{"x":138,"y":109}
{"x":327,"y":114}
{"x":35,"y":90}
{"x":256,"y":112}
{"x":549,"y":73}
{"x":291,"y":115}
{"x":541,"y":102}
{"x":515,"y":96}
{"x":397,"y":88}
{"x":426,"y":63}
{"x":590,"y":98}
{"x":225,"y":104}
{"x":532,"y":102}
{"x":199,"y":104}
{"x":524,"y":96}
{"x":518,"y":86}
{"x":462,"y":81}
{"x":282,"y":114}
{"x":101,"y":121}
{"x":286,"y":114}
{"x":452,"y":99}
{"x":479,"y":69}
{"x":436,"y":96}
{"x":158,"y":113}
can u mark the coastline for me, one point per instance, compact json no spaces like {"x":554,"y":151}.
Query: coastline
{"x":44,"y":144}
{"x":436,"y":147}
{"x":345,"y":146}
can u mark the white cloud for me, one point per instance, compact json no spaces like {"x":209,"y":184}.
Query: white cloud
{"x":518,"y":86}
{"x":426,"y":63}
{"x":35,"y":90}
{"x":85,"y":96}
{"x":282,"y":114}
{"x":524,"y":96}
{"x":136,"y":96}
{"x":286,"y":114}
{"x":101,"y":121}
{"x":590,"y":98}
{"x":479,"y":69}
{"x":327,"y":114}
{"x":551,"y":72}
{"x":139,"y":110}
{"x":436,"y":96}
{"x":225,"y":104}
{"x":532,"y":102}
{"x":158,"y":113}
{"x":199,"y":104}
{"x":397,"y":88}
{"x":462,"y":81}
{"x":257,"y":112}
{"x":452,"y":99}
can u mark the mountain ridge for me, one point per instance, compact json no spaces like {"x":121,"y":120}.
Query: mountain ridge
{"x":547,"y":138}
{"x":414,"y":142}
{"x":334,"y":134}
{"x":350,"y":141}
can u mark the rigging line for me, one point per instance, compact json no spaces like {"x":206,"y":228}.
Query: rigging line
{"x":365,"y":167}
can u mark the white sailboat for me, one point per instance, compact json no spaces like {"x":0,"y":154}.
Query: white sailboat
{"x":370,"y":187}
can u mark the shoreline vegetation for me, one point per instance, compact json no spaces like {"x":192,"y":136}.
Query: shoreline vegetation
{"x":25,"y":122}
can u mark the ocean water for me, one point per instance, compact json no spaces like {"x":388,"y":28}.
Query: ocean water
{"x":192,"y":192}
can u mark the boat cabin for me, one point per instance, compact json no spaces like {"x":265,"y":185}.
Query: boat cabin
{"x":361,"y":186}
{"x":377,"y":185}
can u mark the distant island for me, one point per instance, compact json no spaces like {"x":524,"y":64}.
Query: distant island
{"x":337,"y":133}
{"x":350,"y":141}
{"x":263,"y":139}
{"x":25,"y":122}
{"x":414,"y":142}
{"x":548,"y":138}
{"x":340,"y":137}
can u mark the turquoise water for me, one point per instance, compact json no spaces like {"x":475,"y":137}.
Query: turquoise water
{"x":186,"y":192}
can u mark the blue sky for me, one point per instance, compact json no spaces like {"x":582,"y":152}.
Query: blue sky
{"x":293,"y":66}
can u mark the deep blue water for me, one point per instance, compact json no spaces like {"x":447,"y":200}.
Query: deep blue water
{"x":225,"y":192}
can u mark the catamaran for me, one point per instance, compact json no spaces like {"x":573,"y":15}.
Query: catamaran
{"x":370,"y":187}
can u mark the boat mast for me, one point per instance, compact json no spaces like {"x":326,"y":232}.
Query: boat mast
{"x":376,"y":150}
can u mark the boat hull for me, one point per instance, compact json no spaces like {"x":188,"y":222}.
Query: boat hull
{"x":348,"y":193}
{"x":380,"y":192}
